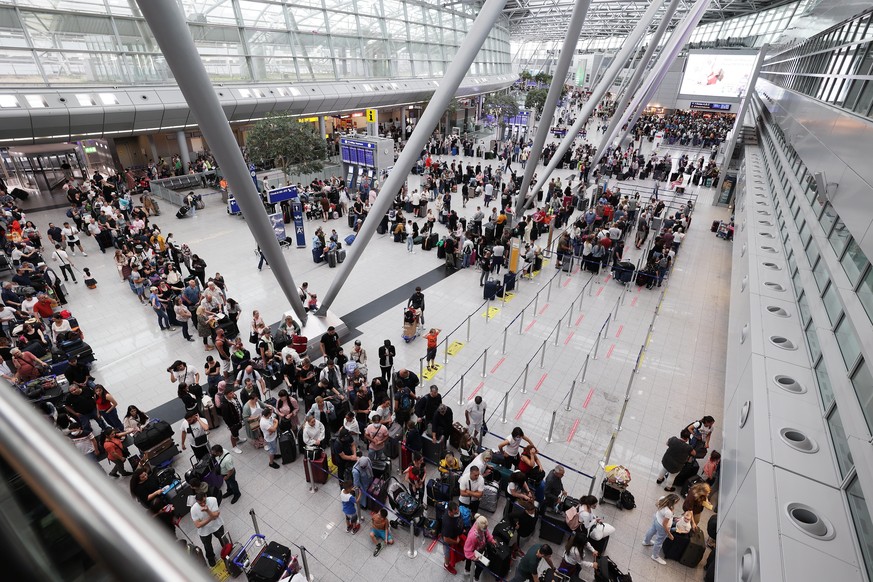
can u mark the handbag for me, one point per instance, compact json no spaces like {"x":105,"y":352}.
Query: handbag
{"x":253,"y":338}
{"x":600,"y":530}
{"x":571,"y":516}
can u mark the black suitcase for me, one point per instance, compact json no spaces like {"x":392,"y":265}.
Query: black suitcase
{"x":433,"y":451}
{"x":490,"y":289}
{"x":509,"y":281}
{"x":441,"y":251}
{"x":687,"y":471}
{"x":624,"y":272}
{"x":19,"y":193}
{"x":675,"y":548}
{"x":270,"y":563}
{"x":505,"y":532}
{"x":288,"y":447}
{"x":551,"y":530}
{"x":690,"y":482}
{"x":500,"y":556}
{"x":352,"y":219}
{"x":437,"y":491}
{"x":693,"y":553}
{"x":331,"y":259}
{"x":153,"y":434}
{"x":696,"y":180}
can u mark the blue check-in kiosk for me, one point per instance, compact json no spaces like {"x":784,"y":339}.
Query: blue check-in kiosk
{"x":365,"y":156}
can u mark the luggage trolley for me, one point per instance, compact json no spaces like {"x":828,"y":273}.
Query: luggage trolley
{"x":410,"y":324}
{"x":614,"y":484}
{"x":269,"y":562}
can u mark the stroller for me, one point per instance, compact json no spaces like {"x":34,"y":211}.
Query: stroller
{"x":410,"y":324}
{"x":405,"y":505}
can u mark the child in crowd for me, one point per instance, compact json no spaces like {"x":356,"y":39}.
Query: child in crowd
{"x":90,"y":281}
{"x":349,"y":500}
{"x":381,"y":530}
{"x":312,"y":304}
{"x":710,"y":469}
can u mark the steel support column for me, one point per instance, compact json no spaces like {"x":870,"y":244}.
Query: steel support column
{"x":170,"y":30}
{"x":738,"y":123}
{"x":577,"y":19}
{"x":678,"y":39}
{"x":596,"y":95}
{"x":430,"y":117}
{"x":635,"y":80}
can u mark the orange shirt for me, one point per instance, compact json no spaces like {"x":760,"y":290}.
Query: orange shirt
{"x":431,"y":340}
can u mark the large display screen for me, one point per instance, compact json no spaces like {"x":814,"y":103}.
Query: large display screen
{"x":717,"y":74}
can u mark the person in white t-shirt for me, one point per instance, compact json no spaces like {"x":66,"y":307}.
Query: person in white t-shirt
{"x":475,"y":413}
{"x":207,"y":519}
{"x":270,"y":429}
{"x":71,"y":235}
{"x":28,"y":303}
{"x":660,"y":529}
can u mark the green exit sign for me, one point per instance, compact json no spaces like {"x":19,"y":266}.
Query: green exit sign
{"x":91,"y":150}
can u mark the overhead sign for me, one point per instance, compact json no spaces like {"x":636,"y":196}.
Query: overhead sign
{"x":705,"y":105}
{"x":371,"y":115}
{"x":281,"y":194}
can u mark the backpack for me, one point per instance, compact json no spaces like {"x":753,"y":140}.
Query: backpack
{"x":626,"y":499}
{"x":405,"y":399}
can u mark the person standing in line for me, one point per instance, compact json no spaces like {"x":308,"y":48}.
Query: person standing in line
{"x":228,"y":472}
{"x":386,"y":359}
{"x":270,"y":429}
{"x":430,"y":356}
{"x":158,"y":307}
{"x":416,"y":301}
{"x":183,"y":316}
{"x":349,"y":499}
{"x":475,"y":415}
{"x":485,"y":264}
{"x":660,"y":529}
{"x":207,"y":519}
{"x":63,"y":258}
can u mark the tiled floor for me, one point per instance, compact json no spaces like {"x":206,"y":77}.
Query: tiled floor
{"x":680,"y":377}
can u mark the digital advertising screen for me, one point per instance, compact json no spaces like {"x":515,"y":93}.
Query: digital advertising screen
{"x":724,"y":75}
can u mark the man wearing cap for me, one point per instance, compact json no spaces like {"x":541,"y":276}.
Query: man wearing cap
{"x":158,"y":307}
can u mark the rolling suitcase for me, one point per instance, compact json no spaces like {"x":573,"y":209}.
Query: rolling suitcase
{"x":331,"y":259}
{"x":288,"y":447}
{"x":437,"y":491}
{"x":441,"y":251}
{"x":500,"y":556}
{"x":153,"y":434}
{"x":505,"y":532}
{"x":340,"y":255}
{"x":509,"y":281}
{"x":687,"y":471}
{"x":690,"y":482}
{"x":455,"y":435}
{"x":270,"y":564}
{"x":316,"y":255}
{"x":393,"y":448}
{"x":378,"y":490}
{"x":433,"y":451}
{"x":675,"y":548}
{"x":490,"y":290}
{"x":552,"y":530}
{"x":351,"y":238}
{"x":213,"y":418}
{"x":488,"y":502}
{"x":316,"y":470}
{"x":696,"y":548}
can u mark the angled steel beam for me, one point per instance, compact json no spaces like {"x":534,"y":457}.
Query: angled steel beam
{"x":431,"y":115}
{"x":173,"y":37}
{"x":571,"y":39}
{"x":596,"y":95}
{"x":622,"y":102}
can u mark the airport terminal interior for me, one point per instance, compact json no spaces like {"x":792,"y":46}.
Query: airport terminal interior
{"x":511,"y":289}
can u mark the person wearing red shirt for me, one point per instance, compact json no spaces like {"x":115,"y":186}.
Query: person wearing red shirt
{"x":431,"y":338}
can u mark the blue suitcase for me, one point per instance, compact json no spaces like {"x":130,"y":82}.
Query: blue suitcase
{"x":316,"y":255}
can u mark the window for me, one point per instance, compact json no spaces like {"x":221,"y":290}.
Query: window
{"x":865,"y":293}
{"x":863,"y":522}
{"x":7,"y":101}
{"x":826,"y":391}
{"x":850,"y":348}
{"x":821,"y":274}
{"x":839,"y":237}
{"x":841,"y":445}
{"x":108,"y":99}
{"x":828,"y":218}
{"x":85,"y":100}
{"x":812,"y":342}
{"x":803,"y":305}
{"x":832,"y":305}
{"x":854,"y":261}
{"x":36,"y":101}
{"x":862,"y":381}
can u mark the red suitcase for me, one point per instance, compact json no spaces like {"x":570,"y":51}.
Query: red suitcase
{"x":319,"y":471}
{"x":299,"y":343}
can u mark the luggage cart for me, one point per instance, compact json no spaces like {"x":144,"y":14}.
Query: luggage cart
{"x":410,"y":324}
{"x":614,"y":484}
